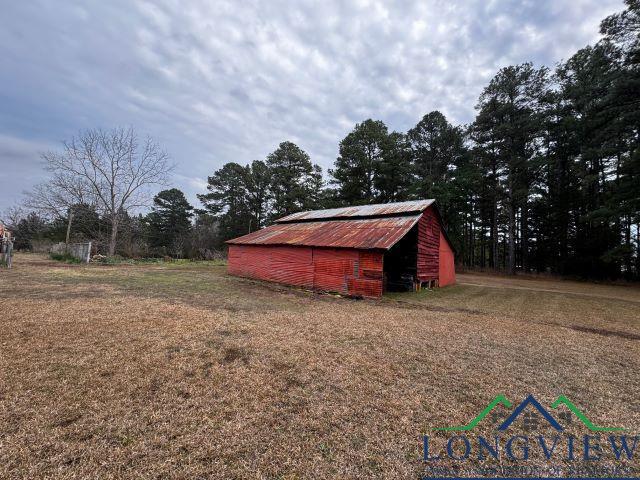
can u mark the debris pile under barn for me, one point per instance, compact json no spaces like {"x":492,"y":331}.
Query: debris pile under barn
{"x":357,"y":251}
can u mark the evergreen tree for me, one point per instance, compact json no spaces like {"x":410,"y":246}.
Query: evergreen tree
{"x":584,"y":81}
{"x":486,"y":147}
{"x":440,"y":170}
{"x":205,"y":236}
{"x":511,"y":120}
{"x":28,"y":229}
{"x":169,"y":222}
{"x":227,"y":201}
{"x":315,"y":187}
{"x":393,"y":170}
{"x":258,"y":182}
{"x":361,"y":153}
{"x":436,"y":146}
{"x":291,"y":172}
{"x":622,"y":32}
{"x":87,"y":224}
{"x":461,"y":207}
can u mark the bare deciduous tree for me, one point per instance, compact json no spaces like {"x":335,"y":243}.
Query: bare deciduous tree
{"x":112,"y":169}
{"x":12,"y":216}
{"x":57,"y":196}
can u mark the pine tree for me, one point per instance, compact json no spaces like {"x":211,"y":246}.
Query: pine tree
{"x":291,"y":173}
{"x":510,"y":107}
{"x":622,"y":32}
{"x":584,"y":82}
{"x":361,"y":153}
{"x":392,"y":176}
{"x":258,"y":182}
{"x":436,"y":146}
{"x":169,"y":222}
{"x":227,"y":201}
{"x":315,"y":187}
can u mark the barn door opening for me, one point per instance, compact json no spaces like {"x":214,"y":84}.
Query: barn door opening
{"x":400,"y":263}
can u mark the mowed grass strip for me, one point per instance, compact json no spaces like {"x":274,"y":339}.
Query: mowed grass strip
{"x":149,"y":371}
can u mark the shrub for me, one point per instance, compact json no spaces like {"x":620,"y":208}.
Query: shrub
{"x":64,"y":257}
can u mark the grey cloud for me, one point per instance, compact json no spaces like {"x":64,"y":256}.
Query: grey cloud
{"x":22,"y":157}
{"x":227,"y":81}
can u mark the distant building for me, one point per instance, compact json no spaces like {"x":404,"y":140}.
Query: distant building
{"x":360,"y":251}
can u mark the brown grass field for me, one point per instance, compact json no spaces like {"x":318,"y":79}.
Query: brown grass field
{"x":181,"y":371}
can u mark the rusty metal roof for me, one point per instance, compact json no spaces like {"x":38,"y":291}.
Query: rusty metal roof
{"x":376,"y":210}
{"x":367,"y":233}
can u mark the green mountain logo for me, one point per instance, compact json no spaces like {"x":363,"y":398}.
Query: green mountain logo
{"x":530,"y":401}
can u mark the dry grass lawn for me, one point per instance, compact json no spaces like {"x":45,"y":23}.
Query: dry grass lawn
{"x":185,"y":372}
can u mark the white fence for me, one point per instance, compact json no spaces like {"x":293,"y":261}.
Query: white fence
{"x":81,"y":251}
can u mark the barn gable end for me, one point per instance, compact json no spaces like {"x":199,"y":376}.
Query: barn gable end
{"x":446,"y":263}
{"x":428,"y":246}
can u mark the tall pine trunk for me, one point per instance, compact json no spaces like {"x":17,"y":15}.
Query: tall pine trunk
{"x":638,"y":249}
{"x":482,"y":245}
{"x":524,"y":236}
{"x":629,"y":250}
{"x":511,"y":211}
{"x":494,"y":236}
{"x":472,"y":243}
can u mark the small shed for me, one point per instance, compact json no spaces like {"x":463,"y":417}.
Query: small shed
{"x":359,"y":251}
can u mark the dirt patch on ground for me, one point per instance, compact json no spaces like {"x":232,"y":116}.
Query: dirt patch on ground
{"x":629,"y":292}
{"x":606,"y":333}
{"x":151,"y":372}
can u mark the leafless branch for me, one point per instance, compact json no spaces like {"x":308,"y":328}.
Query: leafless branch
{"x":109,"y":170}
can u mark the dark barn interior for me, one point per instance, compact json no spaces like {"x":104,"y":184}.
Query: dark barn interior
{"x":400,"y":263}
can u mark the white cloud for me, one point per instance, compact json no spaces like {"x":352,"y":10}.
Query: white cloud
{"x":227,"y":81}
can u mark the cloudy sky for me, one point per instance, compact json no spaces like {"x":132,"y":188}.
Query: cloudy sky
{"x":217,"y":81}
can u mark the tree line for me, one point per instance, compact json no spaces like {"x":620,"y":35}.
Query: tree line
{"x":545,"y":179}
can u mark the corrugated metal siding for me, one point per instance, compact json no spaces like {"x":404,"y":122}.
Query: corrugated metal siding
{"x":375,"y":210}
{"x":447,"y":267}
{"x":428,"y":246}
{"x":371,"y":233}
{"x":333,"y":267}
{"x":285,"y":264}
{"x":365,"y":288}
{"x":334,"y":270}
{"x":371,"y":265}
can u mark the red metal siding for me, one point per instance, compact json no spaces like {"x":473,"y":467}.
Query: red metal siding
{"x":346,"y":271}
{"x":332,"y":268}
{"x":371,"y":265}
{"x":285,"y":264}
{"x":428,"y":246}
{"x":447,"y":274}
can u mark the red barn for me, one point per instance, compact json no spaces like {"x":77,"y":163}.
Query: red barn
{"x":359,"y":251}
